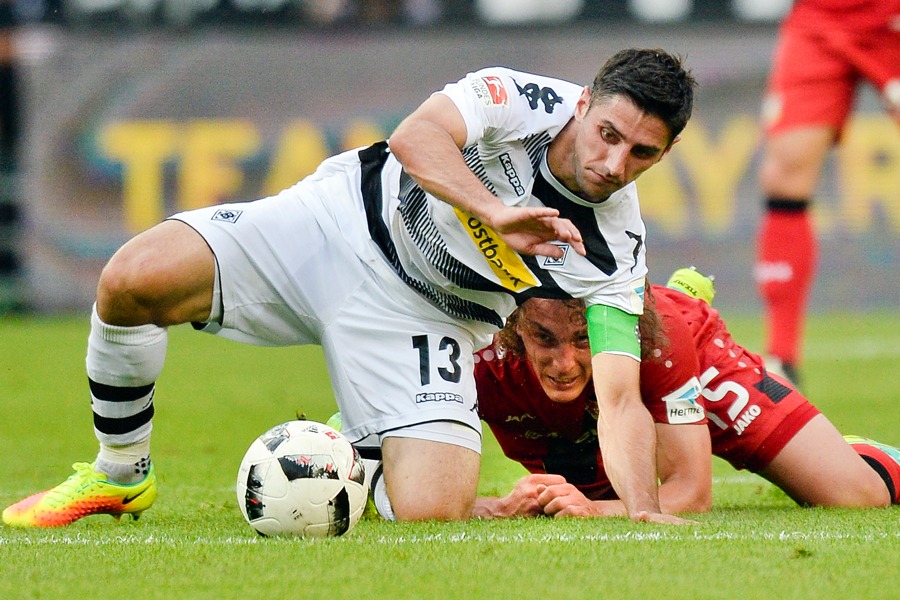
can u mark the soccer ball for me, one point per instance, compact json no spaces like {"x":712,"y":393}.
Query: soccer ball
{"x":302,"y":478}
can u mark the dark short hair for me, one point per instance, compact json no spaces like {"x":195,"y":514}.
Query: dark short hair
{"x":656,"y":81}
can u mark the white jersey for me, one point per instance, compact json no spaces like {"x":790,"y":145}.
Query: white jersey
{"x":462,"y":266}
{"x":317,"y":263}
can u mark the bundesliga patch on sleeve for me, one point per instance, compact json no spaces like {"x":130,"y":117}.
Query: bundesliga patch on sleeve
{"x":490,"y":90}
{"x":682,"y":406}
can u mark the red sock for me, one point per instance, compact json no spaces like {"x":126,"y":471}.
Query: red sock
{"x":888,"y":468}
{"x":785,"y":266}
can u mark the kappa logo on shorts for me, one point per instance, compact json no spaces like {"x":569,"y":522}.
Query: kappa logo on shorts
{"x":230,"y":216}
{"x":438,"y":397}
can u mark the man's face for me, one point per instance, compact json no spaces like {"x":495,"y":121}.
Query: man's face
{"x":557,"y":345}
{"x":614,"y":143}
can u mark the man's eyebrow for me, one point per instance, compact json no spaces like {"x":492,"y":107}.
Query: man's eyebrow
{"x":643,"y":148}
{"x":537,"y":327}
{"x":620,"y":135}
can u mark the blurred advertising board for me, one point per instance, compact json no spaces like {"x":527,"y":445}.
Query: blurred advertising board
{"x":125,"y":130}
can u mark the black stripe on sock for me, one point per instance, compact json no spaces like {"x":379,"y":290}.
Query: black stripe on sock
{"x":883,"y":473}
{"x":789,"y":205}
{"x":125,"y":424}
{"x":110,"y":393}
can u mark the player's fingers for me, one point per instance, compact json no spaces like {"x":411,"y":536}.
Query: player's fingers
{"x":539,"y":212}
{"x":555,"y":502}
{"x":510,"y":218}
{"x":548,"y":249}
{"x":553,"y":492}
{"x":561,"y":508}
{"x":566,"y":231}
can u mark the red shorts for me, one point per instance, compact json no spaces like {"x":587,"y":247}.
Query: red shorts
{"x":816,"y":70}
{"x":773,"y":415}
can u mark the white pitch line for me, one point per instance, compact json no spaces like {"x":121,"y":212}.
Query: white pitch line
{"x":455,"y":538}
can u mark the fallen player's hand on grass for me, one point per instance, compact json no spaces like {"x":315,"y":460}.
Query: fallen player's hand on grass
{"x":522,"y":501}
{"x":566,"y":500}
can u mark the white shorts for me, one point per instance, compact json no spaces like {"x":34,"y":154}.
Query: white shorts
{"x":301,"y":268}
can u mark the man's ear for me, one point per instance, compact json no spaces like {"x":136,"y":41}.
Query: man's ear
{"x":669,"y":147}
{"x":583,"y":104}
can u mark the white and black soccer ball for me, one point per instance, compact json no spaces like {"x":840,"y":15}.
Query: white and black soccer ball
{"x":302,"y":478}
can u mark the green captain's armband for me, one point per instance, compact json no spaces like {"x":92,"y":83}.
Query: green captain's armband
{"x":612,"y":330}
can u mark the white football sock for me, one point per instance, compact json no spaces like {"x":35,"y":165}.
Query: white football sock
{"x":123,"y":364}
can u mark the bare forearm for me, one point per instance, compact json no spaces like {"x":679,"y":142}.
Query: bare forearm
{"x":430,"y":156}
{"x":628,"y":445}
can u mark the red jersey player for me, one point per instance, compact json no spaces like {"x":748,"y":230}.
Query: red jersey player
{"x":825,"y":50}
{"x":706,"y":393}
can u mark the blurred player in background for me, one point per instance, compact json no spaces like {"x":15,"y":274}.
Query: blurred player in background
{"x":401,"y":260}
{"x":825,"y":50}
{"x":706,"y":393}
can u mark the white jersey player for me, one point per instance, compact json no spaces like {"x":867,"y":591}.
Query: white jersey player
{"x":400,"y":260}
{"x":511,"y":118}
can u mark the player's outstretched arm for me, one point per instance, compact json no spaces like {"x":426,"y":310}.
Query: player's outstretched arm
{"x":626,"y":432}
{"x":427,"y":143}
{"x":522,"y":501}
{"x":627,"y":437}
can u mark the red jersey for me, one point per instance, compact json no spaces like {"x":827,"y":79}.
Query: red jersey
{"x":751,"y":415}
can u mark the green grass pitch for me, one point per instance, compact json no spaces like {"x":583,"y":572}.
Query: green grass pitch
{"x":215,"y":397}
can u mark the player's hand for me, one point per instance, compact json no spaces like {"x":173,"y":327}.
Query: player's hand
{"x":523,"y":501}
{"x":649,"y":517}
{"x":530,"y":229}
{"x":566,"y":500}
